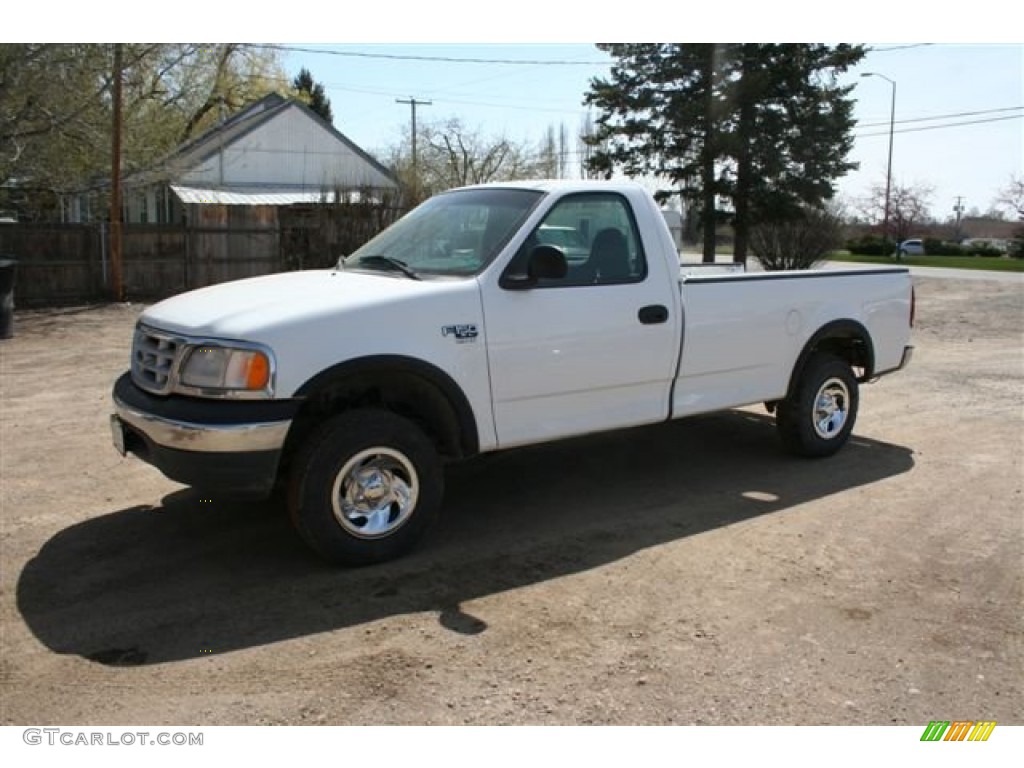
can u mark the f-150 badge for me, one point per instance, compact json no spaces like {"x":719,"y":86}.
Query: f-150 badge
{"x":462,"y":333}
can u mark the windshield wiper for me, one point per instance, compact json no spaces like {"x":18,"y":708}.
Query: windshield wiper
{"x":401,"y":266}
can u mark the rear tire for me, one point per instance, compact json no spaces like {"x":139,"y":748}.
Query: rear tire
{"x":364,"y":487}
{"x":818,"y":416}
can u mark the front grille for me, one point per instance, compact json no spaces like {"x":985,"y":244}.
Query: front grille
{"x":154,"y":359}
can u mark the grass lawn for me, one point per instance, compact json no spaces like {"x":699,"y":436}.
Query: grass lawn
{"x":952,"y":262}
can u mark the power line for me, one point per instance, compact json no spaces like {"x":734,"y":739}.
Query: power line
{"x":945,"y":125}
{"x":446,"y":100}
{"x":443,"y":59}
{"x":482,"y":60}
{"x":900,"y":47}
{"x":942,"y":117}
{"x":534,"y":108}
{"x":441,"y":98}
{"x":511,"y":105}
{"x":478,"y":59}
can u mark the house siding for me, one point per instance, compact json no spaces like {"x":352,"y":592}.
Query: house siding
{"x":288,"y":150}
{"x":274,"y":147}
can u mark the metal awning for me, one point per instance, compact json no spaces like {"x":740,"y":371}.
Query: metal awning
{"x":256,"y":196}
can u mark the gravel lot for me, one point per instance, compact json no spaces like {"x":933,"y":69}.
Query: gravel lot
{"x":685,"y":573}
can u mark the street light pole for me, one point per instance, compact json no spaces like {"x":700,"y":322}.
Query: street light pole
{"x":888,"y":170}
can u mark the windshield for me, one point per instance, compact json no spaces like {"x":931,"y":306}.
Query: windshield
{"x":455,"y":233}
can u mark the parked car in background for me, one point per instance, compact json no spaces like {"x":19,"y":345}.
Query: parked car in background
{"x":985,"y":244}
{"x":911,"y":248}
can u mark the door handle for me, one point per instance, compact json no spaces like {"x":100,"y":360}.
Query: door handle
{"x":652,"y":314}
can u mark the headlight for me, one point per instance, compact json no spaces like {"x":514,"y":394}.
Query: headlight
{"x":210,"y":367}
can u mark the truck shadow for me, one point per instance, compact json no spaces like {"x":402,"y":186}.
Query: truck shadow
{"x":195,"y":575}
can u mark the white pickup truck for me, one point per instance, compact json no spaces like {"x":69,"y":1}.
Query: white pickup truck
{"x":489,"y":317}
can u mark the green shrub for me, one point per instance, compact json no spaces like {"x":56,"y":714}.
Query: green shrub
{"x":869,"y":245}
{"x":935,"y":247}
{"x":983,"y":250}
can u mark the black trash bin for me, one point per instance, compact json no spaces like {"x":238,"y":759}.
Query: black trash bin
{"x":7,"y":269}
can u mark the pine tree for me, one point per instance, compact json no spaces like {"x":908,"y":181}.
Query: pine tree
{"x":313,"y":91}
{"x":763,"y":128}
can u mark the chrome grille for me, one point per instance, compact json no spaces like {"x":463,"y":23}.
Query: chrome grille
{"x":154,"y":359}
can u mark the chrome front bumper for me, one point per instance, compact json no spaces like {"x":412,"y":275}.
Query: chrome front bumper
{"x":230,"y":447}
{"x":203,"y":438}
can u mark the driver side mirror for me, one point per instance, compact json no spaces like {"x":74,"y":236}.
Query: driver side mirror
{"x":545,"y":262}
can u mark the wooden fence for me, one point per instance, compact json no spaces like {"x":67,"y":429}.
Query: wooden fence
{"x":61,"y":264}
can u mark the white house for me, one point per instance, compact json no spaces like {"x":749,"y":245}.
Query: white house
{"x":275,"y":152}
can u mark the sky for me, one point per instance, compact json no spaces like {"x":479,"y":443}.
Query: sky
{"x":944,"y":90}
{"x":959,"y":108}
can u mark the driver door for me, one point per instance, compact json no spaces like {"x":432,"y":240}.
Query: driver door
{"x":588,"y":352}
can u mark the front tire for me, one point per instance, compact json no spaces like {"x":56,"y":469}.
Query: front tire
{"x":364,"y":487}
{"x":818,"y":416}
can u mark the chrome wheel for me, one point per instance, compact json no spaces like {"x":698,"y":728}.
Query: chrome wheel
{"x":375,"y":493}
{"x":817,"y":416}
{"x":364,"y":487}
{"x":831,"y":408}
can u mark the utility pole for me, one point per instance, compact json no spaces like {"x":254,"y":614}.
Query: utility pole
{"x":958,"y":209}
{"x":220,"y":143}
{"x":116,"y":265}
{"x":412,"y":101}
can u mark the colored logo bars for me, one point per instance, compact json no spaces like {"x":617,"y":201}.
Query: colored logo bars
{"x":958,"y":730}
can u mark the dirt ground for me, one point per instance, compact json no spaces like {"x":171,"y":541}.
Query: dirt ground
{"x":684,"y":573}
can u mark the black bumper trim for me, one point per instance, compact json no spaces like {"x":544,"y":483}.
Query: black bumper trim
{"x":198,"y":411}
{"x":250,"y":474}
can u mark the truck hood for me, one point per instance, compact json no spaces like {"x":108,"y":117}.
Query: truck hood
{"x":246,"y":309}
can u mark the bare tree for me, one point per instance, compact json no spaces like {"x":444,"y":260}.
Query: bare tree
{"x":563,"y":151}
{"x":589,"y":146}
{"x":800,"y":242}
{"x":51,"y":109}
{"x":547,"y":157}
{"x":55,"y":104}
{"x":908,"y":208}
{"x":224,"y":77}
{"x":451,"y":155}
{"x":553,"y":155}
{"x":1011,"y":197}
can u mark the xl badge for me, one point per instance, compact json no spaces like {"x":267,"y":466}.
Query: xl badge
{"x":462,"y":333}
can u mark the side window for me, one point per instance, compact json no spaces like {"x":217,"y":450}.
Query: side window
{"x":598,"y":236}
